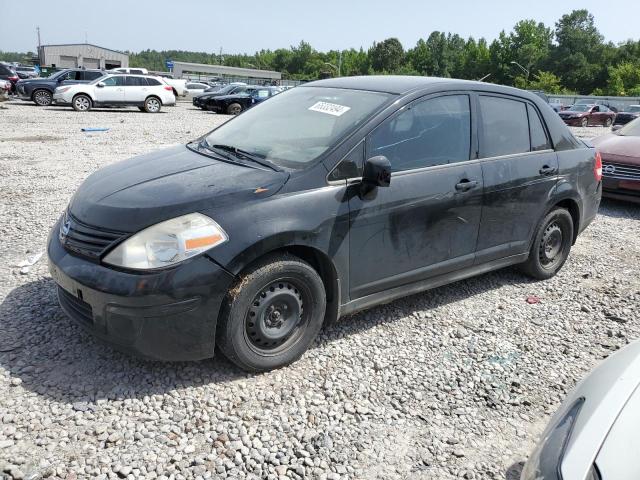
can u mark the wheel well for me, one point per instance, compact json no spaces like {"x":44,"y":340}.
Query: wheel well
{"x":574,"y":210}
{"x":321,"y":264}
{"x":84,"y":95}
{"x":154,"y":96}
{"x":175,"y":92}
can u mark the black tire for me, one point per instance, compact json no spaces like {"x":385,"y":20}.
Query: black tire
{"x":584,"y":122}
{"x":234,"y":109}
{"x":608,"y":122}
{"x":81,"y":103}
{"x":152,"y":105}
{"x":272,"y":314}
{"x":551,"y":245}
{"x":42,"y":98}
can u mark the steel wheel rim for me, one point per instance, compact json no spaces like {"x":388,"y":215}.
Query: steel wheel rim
{"x":82,"y":103}
{"x":152,"y":105}
{"x":276,"y":317}
{"x":551,"y":245}
{"x":42,"y":98}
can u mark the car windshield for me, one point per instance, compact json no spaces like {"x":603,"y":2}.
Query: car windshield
{"x":580,"y":108}
{"x":633,"y":109}
{"x":296,"y":127}
{"x":631,"y":129}
{"x":99,"y":79}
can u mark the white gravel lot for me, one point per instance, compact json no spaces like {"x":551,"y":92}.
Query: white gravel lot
{"x":452,"y":383}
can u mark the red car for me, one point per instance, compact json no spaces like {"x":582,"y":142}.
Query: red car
{"x":620,"y":151}
{"x":580,"y":115}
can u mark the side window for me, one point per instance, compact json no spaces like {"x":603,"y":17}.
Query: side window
{"x":539,"y":140}
{"x":152,"y":82}
{"x":73,"y":75}
{"x":596,"y":109}
{"x":432,"y":132}
{"x":351,"y":166}
{"x":135,"y":82}
{"x":136,"y":71}
{"x":92,"y":75}
{"x":505,"y":127}
{"x":109,"y":82}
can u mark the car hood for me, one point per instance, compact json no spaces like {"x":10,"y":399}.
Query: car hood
{"x":612,"y":145}
{"x":136,"y":193}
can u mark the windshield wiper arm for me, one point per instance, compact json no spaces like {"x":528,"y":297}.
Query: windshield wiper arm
{"x":238,"y":152}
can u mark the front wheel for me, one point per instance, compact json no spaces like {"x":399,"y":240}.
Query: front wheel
{"x":42,"y":98}
{"x":608,"y":122}
{"x":272,"y":314}
{"x":234,"y":109}
{"x":551,"y":245}
{"x":81,"y":103}
{"x":584,"y":122}
{"x":152,"y":105}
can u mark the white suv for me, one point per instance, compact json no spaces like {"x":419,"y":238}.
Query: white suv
{"x":147,"y":93}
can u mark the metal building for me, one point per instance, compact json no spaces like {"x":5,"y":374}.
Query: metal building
{"x":181,"y":69}
{"x":81,"y":55}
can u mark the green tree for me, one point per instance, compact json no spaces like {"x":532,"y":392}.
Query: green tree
{"x":386,"y":56}
{"x":624,"y":79}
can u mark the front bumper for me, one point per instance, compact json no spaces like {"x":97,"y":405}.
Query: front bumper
{"x":573,"y":122}
{"x":60,"y":99}
{"x":166,"y":315}
{"x":621,"y":189}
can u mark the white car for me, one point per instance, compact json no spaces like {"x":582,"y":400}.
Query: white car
{"x":147,"y":93}
{"x":594,"y":434}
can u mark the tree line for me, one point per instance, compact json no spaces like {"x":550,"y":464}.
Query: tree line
{"x":571,"y":57}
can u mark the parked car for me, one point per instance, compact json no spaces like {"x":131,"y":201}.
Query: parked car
{"x":179,"y":85}
{"x":327,"y":199}
{"x":147,"y":93}
{"x":206,"y":100}
{"x":133,"y":70}
{"x":8,"y":73}
{"x":28,"y":72}
{"x":40,"y":90}
{"x":594,"y":433}
{"x":591,"y":101}
{"x":580,"y":115}
{"x":628,"y":114}
{"x":236,"y":103}
{"x":557,"y":106}
{"x":5,"y":89}
{"x":620,"y":152}
{"x":194,"y":88}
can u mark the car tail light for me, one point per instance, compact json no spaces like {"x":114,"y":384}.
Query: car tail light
{"x":168,"y":88}
{"x":597,"y":168}
{"x":14,"y":79}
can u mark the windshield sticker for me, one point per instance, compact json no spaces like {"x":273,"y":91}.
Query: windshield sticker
{"x":329,"y":108}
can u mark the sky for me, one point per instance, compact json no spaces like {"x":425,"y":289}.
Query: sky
{"x":247,"y":26}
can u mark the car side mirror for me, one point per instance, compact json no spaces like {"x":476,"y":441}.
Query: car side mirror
{"x":377,"y":173}
{"x":615,"y":128}
{"x":100,"y":84}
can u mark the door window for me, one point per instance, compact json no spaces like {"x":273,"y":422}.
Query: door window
{"x":92,"y":75}
{"x":73,"y":75}
{"x":505,"y":127}
{"x":431,"y":132}
{"x":539,"y":139}
{"x":135,"y":82}
{"x":114,"y":81}
{"x":152,"y":82}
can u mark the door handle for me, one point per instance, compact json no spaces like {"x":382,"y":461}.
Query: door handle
{"x":466,"y":185}
{"x":547,"y":170}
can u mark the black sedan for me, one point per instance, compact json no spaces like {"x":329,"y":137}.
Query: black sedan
{"x":327,"y":199}
{"x":627,"y":115}
{"x":239,"y":102}
{"x":201,"y":100}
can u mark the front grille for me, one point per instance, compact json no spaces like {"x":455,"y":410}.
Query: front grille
{"x":620,"y":171}
{"x":85,"y":240}
{"x":76,"y":308}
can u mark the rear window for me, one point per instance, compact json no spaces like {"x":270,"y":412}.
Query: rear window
{"x":92,"y":75}
{"x":505,"y":127}
{"x":539,"y":139}
{"x":5,"y":70}
{"x":152,"y":82}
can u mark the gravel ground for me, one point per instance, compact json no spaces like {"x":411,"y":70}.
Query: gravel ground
{"x":453,"y":383}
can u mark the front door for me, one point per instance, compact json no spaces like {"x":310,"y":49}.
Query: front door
{"x":136,"y":90}
{"x":426,"y":222}
{"x":112,"y":91}
{"x":520,"y":171}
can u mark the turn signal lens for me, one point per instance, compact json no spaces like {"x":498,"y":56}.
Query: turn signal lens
{"x":597,"y":169}
{"x":168,"y":243}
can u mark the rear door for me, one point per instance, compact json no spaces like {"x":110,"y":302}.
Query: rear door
{"x":112,"y":91}
{"x":426,"y":222}
{"x":520,"y":170}
{"x":135,"y":89}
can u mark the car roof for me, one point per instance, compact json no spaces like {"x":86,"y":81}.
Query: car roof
{"x":402,"y":84}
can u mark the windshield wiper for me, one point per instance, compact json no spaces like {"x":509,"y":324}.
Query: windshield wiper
{"x":239,"y":153}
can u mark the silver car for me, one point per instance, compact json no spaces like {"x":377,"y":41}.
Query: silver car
{"x":596,"y":432}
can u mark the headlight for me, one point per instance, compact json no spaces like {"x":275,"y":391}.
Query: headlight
{"x":62,"y":89}
{"x":168,"y":243}
{"x":546,"y":460}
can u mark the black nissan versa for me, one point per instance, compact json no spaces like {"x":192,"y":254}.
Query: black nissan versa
{"x":329,"y":198}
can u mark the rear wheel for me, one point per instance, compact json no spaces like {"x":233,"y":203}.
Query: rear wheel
{"x":551,"y":245}
{"x":272,"y":315}
{"x":152,"y":105}
{"x":81,"y":103}
{"x":584,"y":122}
{"x":608,"y":122}
{"x":234,"y":109}
{"x":42,"y":98}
